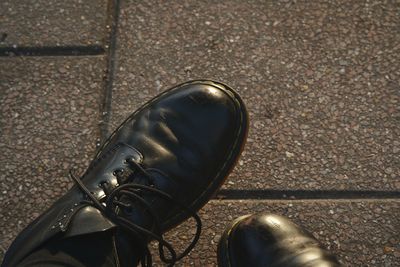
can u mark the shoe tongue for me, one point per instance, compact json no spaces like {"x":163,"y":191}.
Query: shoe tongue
{"x":139,"y":213}
{"x":159,"y":179}
{"x":103,"y":168}
{"x":115,"y":156}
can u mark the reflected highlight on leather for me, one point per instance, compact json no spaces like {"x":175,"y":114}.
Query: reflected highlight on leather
{"x":271,"y":240}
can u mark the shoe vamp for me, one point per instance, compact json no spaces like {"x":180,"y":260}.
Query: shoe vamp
{"x":188,"y":145}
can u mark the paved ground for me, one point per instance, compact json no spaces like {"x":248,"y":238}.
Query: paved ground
{"x":47,"y":23}
{"x":320,"y":79}
{"x":49,"y":124}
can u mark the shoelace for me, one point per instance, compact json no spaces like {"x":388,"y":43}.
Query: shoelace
{"x":133,"y":191}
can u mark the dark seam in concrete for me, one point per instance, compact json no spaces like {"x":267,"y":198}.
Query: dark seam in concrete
{"x":52,"y":51}
{"x":114,"y":6}
{"x":305,"y":194}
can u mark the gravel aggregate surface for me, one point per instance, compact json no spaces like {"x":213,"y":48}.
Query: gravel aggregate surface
{"x":49,"y":125}
{"x":320,"y":79}
{"x":52,"y":23}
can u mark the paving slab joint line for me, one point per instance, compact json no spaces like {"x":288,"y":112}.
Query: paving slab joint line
{"x":114,"y":10}
{"x":271,"y":194}
{"x":91,"y":50}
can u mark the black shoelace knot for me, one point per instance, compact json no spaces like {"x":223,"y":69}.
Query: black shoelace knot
{"x":112,"y":204}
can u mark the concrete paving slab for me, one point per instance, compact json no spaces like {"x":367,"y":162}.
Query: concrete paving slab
{"x":26,"y":23}
{"x":360,"y":233}
{"x":320,"y":79}
{"x":49,"y":124}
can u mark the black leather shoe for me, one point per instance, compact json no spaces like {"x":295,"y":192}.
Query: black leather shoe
{"x":156,"y":170}
{"x":266,"y":240}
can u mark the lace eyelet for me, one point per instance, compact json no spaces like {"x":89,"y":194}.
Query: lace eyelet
{"x":102,"y":183}
{"x":128,"y":160}
{"x":118,"y":172}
